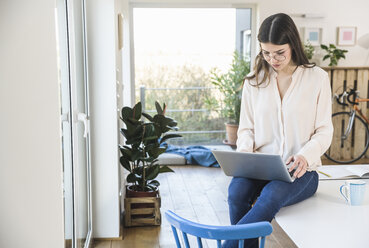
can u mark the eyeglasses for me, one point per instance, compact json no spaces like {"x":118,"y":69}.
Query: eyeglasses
{"x":278,"y":57}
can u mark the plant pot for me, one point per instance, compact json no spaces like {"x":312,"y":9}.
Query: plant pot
{"x":142,"y":208}
{"x":231,"y":131}
{"x":131,"y":192}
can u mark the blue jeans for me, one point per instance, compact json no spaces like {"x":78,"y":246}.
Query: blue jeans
{"x":270,"y":197}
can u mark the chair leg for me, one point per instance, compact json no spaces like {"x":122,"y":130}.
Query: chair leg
{"x":241,"y":243}
{"x":219,"y":243}
{"x":199,"y":243}
{"x":175,"y":234}
{"x":187,"y":244}
{"x":262,"y":242}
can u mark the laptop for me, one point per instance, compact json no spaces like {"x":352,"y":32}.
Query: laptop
{"x":254,"y":165}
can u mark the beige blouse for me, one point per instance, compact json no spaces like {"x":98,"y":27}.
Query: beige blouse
{"x":301,"y":123}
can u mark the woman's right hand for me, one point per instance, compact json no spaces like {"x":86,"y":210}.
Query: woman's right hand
{"x":299,"y":163}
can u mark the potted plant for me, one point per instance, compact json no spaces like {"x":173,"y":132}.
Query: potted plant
{"x":230,"y":86}
{"x":309,"y":50}
{"x":333,"y":53}
{"x":143,"y":145}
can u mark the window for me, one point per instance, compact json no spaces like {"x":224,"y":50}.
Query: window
{"x":175,"y":50}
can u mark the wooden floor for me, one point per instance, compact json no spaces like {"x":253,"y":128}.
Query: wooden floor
{"x":196,"y":193}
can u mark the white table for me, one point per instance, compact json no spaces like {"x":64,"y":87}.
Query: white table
{"x":326,"y":220}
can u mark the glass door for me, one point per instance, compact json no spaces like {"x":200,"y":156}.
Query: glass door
{"x":80,"y":123}
{"x":75,"y":122}
{"x":63,"y":67}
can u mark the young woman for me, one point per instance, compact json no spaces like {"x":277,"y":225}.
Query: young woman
{"x":286,"y":110}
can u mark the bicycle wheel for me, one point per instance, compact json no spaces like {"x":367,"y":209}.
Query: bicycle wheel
{"x":348,"y":144}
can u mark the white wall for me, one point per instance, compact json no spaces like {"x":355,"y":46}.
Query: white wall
{"x":337,"y":13}
{"x":128,"y":69}
{"x":123,"y":75}
{"x":102,"y":52}
{"x":31,"y":208}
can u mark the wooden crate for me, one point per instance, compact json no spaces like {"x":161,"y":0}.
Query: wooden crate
{"x":142,"y":211}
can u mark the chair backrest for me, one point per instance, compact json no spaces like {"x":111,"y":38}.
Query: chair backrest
{"x":219,"y":233}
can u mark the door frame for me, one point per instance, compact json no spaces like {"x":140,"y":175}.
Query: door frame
{"x":74,"y":116}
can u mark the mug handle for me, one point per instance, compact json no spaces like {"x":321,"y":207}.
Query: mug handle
{"x":343,"y":190}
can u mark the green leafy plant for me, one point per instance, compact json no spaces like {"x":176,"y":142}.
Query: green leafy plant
{"x":309,"y":50}
{"x":144,"y":144}
{"x":333,"y":53}
{"x":230,"y":86}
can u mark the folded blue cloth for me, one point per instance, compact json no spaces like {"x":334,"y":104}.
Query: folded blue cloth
{"x":194,"y":155}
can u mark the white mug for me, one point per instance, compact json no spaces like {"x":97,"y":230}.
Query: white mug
{"x":353,"y":191}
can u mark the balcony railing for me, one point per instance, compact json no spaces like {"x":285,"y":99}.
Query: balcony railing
{"x":219,"y":133}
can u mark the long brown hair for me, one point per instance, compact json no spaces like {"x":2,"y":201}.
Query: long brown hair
{"x":278,"y":29}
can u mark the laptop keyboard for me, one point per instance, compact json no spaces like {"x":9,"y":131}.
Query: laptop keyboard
{"x":291,"y":172}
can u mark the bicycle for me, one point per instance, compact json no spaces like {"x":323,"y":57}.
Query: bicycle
{"x":353,"y":123}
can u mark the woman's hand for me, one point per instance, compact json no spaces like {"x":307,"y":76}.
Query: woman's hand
{"x":300,"y":163}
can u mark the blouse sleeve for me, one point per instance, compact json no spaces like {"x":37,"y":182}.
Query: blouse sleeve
{"x":322,"y":136}
{"x":245,"y":134}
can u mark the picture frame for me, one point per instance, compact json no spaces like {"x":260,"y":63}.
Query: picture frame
{"x":313,"y":35}
{"x":346,"y":36}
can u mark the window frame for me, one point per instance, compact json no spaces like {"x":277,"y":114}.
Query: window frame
{"x":254,"y":24}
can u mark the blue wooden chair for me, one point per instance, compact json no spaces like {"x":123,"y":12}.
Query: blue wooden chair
{"x":219,"y":233}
